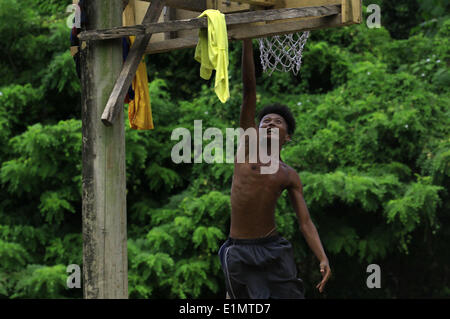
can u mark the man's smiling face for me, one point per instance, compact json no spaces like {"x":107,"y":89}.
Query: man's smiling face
{"x":275,"y":121}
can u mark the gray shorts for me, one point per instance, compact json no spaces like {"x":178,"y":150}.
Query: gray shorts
{"x":260,"y":268}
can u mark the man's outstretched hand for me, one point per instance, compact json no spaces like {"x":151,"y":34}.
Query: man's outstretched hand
{"x":326,"y":273}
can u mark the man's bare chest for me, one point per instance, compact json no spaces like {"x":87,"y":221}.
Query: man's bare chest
{"x":249,"y":175}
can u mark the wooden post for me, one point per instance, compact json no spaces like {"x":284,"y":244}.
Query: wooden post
{"x":105,"y":265}
{"x":170,"y":15}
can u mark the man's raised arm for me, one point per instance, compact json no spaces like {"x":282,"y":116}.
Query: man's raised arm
{"x":247,"y":118}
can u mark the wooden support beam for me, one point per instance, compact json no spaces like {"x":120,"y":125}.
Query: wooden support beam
{"x":286,"y":27}
{"x":105,"y":263}
{"x":304,"y":3}
{"x":351,"y":11}
{"x":115,"y":102}
{"x":263,"y":3}
{"x":171,"y":15}
{"x":192,"y":5}
{"x":196,"y":23}
{"x":236,"y":32}
{"x":227,"y":6}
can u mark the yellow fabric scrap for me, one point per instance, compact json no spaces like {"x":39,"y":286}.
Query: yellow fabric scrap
{"x":139,"y":109}
{"x":212,"y":52}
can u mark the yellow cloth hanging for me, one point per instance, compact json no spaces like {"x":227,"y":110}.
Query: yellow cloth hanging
{"x":139,"y":109}
{"x":212,"y":52}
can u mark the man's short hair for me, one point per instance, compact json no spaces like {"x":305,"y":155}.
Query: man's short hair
{"x":281,"y":110}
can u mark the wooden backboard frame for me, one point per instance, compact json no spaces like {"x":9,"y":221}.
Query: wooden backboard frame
{"x":180,"y":26}
{"x":350,"y":13}
{"x":246,"y":19}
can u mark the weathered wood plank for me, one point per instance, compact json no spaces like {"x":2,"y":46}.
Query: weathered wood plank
{"x":172,"y":44}
{"x":263,"y":3}
{"x":105,"y":261}
{"x":351,"y":11}
{"x":346,"y":11}
{"x":196,"y":23}
{"x":266,"y":30}
{"x":357,"y":11}
{"x":252,"y":31}
{"x":225,"y":6}
{"x":304,"y":3}
{"x":115,"y":102}
{"x":171,"y":15}
{"x":192,"y":5}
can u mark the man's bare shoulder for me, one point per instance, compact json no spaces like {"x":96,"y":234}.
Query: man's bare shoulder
{"x":294,"y":179}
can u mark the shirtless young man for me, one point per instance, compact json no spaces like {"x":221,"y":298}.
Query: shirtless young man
{"x":257,"y":262}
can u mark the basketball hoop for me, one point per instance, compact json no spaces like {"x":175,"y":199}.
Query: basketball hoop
{"x":283,"y":52}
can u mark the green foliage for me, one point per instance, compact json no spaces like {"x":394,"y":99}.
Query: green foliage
{"x":13,"y":255}
{"x":178,"y":254}
{"x":59,"y":250}
{"x":44,"y":152}
{"x":372,"y":148}
{"x":418,"y":206}
{"x":61,"y":76}
{"x":51,"y":7}
{"x":39,"y":281}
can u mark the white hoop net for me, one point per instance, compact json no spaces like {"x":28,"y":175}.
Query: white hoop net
{"x":283,"y":52}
